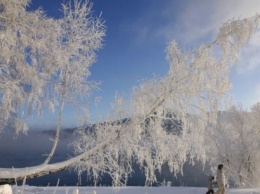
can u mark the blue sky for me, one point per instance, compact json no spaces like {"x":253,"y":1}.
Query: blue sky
{"x":137,"y":34}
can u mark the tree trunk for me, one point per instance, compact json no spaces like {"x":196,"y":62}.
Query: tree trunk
{"x":11,"y":175}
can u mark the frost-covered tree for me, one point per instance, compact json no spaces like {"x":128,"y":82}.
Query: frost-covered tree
{"x":42,"y":67}
{"x":235,"y":143}
{"x":196,"y":82}
{"x":24,"y":49}
{"x":80,"y":35}
{"x":44,"y":62}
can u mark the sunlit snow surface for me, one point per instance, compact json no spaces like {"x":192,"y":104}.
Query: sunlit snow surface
{"x":126,"y":190}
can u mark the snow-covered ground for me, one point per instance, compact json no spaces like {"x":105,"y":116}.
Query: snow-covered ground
{"x":126,"y":190}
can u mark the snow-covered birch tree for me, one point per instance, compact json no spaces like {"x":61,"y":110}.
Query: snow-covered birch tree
{"x":42,"y":68}
{"x":80,"y":36}
{"x":235,"y":143}
{"x":24,"y":49}
{"x":46,"y":69}
{"x":196,"y":82}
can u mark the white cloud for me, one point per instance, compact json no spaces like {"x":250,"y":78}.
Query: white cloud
{"x":255,"y":97}
{"x":202,"y":18}
{"x":249,"y":58}
{"x":189,"y":21}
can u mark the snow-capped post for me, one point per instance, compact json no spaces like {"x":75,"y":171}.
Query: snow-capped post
{"x":76,"y":191}
{"x":6,"y":189}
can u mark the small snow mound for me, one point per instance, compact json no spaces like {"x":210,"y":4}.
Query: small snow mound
{"x":5,"y":189}
{"x":76,"y":191}
{"x":94,"y":192}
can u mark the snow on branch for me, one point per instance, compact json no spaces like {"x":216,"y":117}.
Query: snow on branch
{"x":43,"y":60}
{"x":192,"y":90}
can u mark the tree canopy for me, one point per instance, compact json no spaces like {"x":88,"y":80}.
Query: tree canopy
{"x":44,"y":60}
{"x":235,"y":143}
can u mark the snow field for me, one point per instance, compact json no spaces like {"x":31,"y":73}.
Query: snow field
{"x":125,"y":190}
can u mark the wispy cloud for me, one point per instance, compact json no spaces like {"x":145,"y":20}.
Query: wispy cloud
{"x":254,"y":97}
{"x":249,"y":57}
{"x":189,"y":21}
